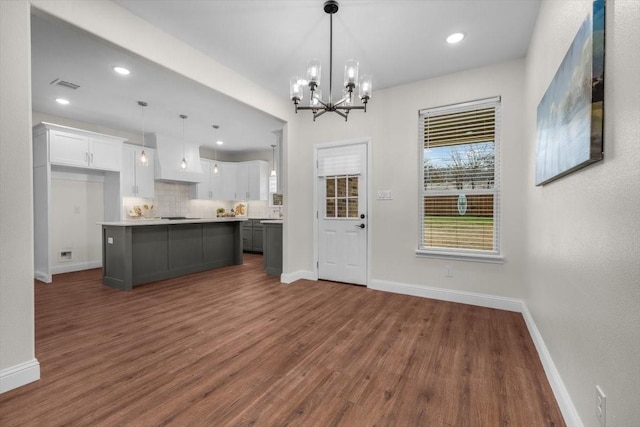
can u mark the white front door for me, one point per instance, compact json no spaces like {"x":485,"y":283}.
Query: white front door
{"x":342,"y":214}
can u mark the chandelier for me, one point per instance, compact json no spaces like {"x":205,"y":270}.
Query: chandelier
{"x":316,"y":104}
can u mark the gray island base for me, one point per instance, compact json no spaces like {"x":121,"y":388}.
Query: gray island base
{"x":138,"y":252}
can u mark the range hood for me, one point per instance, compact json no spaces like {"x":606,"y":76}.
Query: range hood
{"x":169,"y":153}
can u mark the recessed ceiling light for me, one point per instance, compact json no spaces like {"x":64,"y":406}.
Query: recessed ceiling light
{"x":219,"y":142}
{"x":455,"y":38}
{"x":62,"y":101}
{"x":121,"y":70}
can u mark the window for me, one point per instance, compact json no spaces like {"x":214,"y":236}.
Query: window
{"x":341,"y":193}
{"x":460,"y":195}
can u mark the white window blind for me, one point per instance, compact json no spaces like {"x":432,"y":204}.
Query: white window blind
{"x":460,"y":188}
{"x":340,"y":161}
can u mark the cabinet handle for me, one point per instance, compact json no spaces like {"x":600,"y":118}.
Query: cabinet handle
{"x":86,"y":156}
{"x":91,"y":158}
{"x":133,"y":189}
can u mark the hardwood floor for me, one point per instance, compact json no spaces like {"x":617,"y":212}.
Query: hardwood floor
{"x":235,"y":347}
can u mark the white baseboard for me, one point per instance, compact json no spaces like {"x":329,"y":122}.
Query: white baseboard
{"x":77,"y":266}
{"x":569,"y":412}
{"x":463,"y":297}
{"x":19,"y":375}
{"x":298,"y":275}
{"x":43,"y":277}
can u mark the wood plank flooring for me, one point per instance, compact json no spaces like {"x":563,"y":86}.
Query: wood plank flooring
{"x":233,"y":347}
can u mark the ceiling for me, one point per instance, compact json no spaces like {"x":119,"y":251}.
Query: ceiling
{"x":105,"y":98}
{"x":269,"y":41}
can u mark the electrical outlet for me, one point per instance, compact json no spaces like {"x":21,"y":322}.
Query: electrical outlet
{"x":601,"y":406}
{"x":449,"y":271}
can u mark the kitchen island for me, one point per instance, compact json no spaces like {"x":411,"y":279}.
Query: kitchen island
{"x":272,"y":258}
{"x":142,"y":251}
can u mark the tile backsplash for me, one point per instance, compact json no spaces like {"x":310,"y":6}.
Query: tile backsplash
{"x":172,"y":199}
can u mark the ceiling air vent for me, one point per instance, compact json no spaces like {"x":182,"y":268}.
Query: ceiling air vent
{"x":60,"y":82}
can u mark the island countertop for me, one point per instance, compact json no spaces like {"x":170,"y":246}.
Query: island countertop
{"x":144,"y":222}
{"x":272,"y":221}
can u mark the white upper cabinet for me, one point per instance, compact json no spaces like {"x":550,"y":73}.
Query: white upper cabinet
{"x":215,"y":181}
{"x":242,"y":181}
{"x":203,"y":189}
{"x":68,"y":148}
{"x":234,"y":181}
{"x":258,"y":180}
{"x":104,"y":153}
{"x":228,"y":172}
{"x":252,"y":180}
{"x":211,"y":186}
{"x":137,"y":180}
{"x":73,"y":148}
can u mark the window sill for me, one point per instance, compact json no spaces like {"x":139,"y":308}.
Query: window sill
{"x":461,"y":256}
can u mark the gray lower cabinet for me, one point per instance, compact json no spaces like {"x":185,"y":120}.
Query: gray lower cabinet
{"x":252,"y":240}
{"x":133,"y":255}
{"x":273,"y":249}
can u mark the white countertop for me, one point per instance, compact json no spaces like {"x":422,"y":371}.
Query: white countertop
{"x":142,"y":222}
{"x":272,"y":221}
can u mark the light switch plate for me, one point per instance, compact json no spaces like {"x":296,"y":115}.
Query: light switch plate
{"x":384,"y":195}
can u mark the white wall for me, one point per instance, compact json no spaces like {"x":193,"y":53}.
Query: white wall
{"x":583,"y":271}
{"x":77,"y":207}
{"x":16,"y":206}
{"x":392,"y":123}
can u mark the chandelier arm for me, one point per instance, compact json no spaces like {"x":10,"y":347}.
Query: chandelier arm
{"x":342,"y":101}
{"x":323,"y":104}
{"x":342,"y":114}
{"x":352,"y":107}
{"x":316,"y":114}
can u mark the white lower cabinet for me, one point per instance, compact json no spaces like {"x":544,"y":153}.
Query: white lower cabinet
{"x":137,"y":180}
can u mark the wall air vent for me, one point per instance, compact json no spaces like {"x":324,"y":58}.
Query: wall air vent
{"x":60,"y":82}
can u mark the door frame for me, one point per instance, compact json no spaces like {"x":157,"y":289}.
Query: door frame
{"x":316,"y":214}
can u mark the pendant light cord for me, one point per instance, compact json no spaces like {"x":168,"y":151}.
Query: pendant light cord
{"x":330,"y":58}
{"x":142,"y":107}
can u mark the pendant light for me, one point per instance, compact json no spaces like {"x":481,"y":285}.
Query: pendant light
{"x":183,"y":164}
{"x":216,"y":171}
{"x":343,"y":106}
{"x":142,"y":160}
{"x":273,"y":159}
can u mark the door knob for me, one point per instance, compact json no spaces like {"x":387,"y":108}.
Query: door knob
{"x":359,"y":226}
